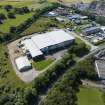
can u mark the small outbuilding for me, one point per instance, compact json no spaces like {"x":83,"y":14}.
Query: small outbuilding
{"x":23,"y":64}
{"x":60,"y":19}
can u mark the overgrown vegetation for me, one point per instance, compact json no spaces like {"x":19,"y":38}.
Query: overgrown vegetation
{"x":45,"y":24}
{"x":65,"y":89}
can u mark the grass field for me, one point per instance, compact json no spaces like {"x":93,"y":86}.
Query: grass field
{"x":89,"y":96}
{"x":40,"y":65}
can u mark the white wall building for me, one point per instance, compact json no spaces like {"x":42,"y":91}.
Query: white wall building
{"x":31,"y":48}
{"x":43,"y":43}
{"x":23,"y":63}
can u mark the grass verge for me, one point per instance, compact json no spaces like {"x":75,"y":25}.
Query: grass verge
{"x":89,"y":96}
{"x":40,"y":65}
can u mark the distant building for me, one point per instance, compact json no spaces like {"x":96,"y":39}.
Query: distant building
{"x":84,"y":17}
{"x":74,"y":16}
{"x":82,"y":6}
{"x":23,"y":64}
{"x":60,"y":19}
{"x":38,"y":45}
{"x":100,"y":68}
{"x":77,"y":16}
{"x":103,"y":28}
{"x":91,"y":30}
{"x":52,"y":13}
{"x":78,"y":22}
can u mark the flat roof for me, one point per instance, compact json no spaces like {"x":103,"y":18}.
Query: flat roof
{"x":31,"y":47}
{"x":42,"y":40}
{"x":60,"y":36}
{"x":22,"y":62}
{"x":90,"y":29}
{"x":51,"y":38}
{"x":37,"y":42}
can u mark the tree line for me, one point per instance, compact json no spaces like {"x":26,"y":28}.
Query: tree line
{"x":65,"y":90}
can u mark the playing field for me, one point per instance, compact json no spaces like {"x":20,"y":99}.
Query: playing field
{"x":89,"y":96}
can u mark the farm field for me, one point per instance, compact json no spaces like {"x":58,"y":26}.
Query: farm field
{"x":89,"y":96}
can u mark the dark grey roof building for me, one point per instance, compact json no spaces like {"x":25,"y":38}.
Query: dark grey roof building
{"x":91,"y":30}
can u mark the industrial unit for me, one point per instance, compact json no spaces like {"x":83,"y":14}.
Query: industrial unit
{"x":91,"y":30}
{"x":23,"y":63}
{"x":38,"y":45}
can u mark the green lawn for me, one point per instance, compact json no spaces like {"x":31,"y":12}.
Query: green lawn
{"x":40,"y":65}
{"x":89,"y":96}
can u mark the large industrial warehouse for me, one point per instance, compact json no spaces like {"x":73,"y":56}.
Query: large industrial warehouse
{"x":38,"y":45}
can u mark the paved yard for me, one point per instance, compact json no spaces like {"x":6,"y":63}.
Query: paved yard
{"x":28,"y":76}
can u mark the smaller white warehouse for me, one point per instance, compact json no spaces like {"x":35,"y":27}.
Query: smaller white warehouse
{"x":23,"y":63}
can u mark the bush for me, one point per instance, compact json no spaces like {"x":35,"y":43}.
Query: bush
{"x":11,"y":15}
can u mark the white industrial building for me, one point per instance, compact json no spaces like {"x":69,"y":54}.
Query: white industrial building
{"x":39,"y":44}
{"x":31,"y":48}
{"x":23,"y":63}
